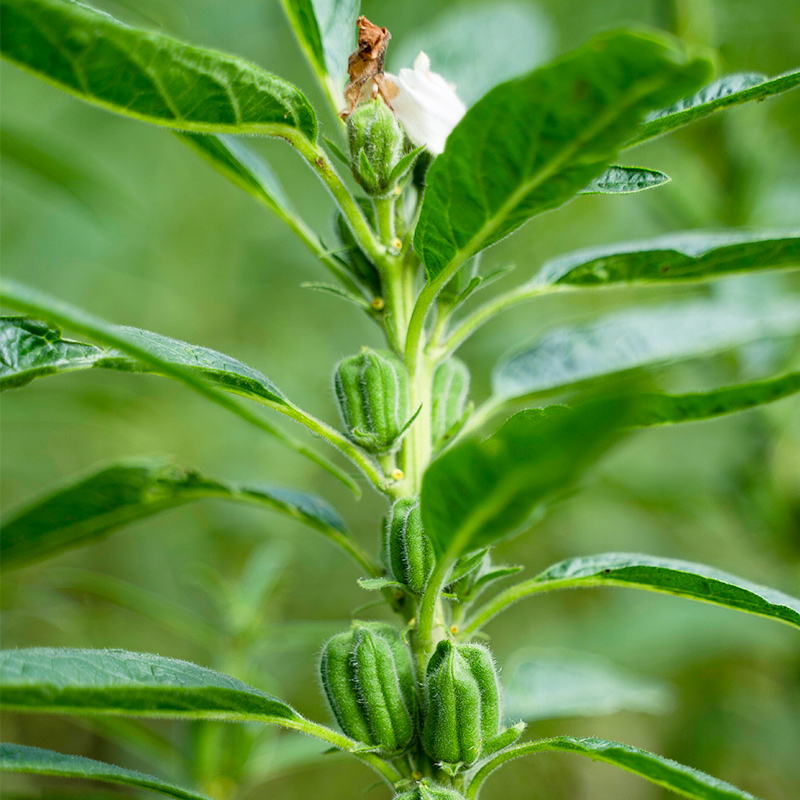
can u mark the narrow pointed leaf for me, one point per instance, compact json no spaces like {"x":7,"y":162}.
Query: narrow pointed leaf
{"x":638,"y":338}
{"x":35,"y":761}
{"x":471,"y":45}
{"x":689,"y":256}
{"x":729,"y":91}
{"x":626,"y":180}
{"x":661,"y":771}
{"x":666,"y":409}
{"x":75,"y":681}
{"x":655,"y":574}
{"x":92,"y":507}
{"x":481,"y":491}
{"x":197,"y":369}
{"x":549,"y":685}
{"x":531,"y":144}
{"x":32,"y":349}
{"x":147,"y":75}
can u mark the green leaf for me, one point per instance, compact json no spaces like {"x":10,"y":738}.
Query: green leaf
{"x":689,"y":256}
{"x":478,"y":46}
{"x":626,"y":180}
{"x":35,"y":761}
{"x":326,"y":32}
{"x":731,"y":90}
{"x":669,"y":576}
{"x":637,"y":338}
{"x":90,"y":508}
{"x":482,"y":491}
{"x":547,"y":685}
{"x":196,"y":368}
{"x":665,"y":409}
{"x":656,"y":769}
{"x":32,"y":349}
{"x":75,"y":681}
{"x":147,"y":75}
{"x":530,"y":144}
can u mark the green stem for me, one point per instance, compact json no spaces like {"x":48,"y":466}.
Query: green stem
{"x":510,"y":596}
{"x":318,"y":160}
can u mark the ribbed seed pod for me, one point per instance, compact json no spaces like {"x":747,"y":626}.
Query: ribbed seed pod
{"x":450,"y":389}
{"x":371,"y":389}
{"x":376,"y":146}
{"x":368,"y":679}
{"x":430,"y":791}
{"x":407,"y":551}
{"x":463,"y":703}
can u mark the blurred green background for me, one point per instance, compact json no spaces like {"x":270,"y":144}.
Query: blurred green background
{"x":122,"y":219}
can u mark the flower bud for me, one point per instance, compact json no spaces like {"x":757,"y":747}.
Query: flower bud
{"x":368,"y":679}
{"x":462,"y":712}
{"x":376,"y":146}
{"x":407,"y":551}
{"x":430,"y":791}
{"x":371,"y":389}
{"x":450,"y":388}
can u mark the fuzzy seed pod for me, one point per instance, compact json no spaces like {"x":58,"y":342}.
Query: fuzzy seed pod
{"x":450,"y":389}
{"x":463,"y":703}
{"x":407,"y":551}
{"x":430,"y":791}
{"x":376,"y":146}
{"x":371,"y":389}
{"x":367,"y":676}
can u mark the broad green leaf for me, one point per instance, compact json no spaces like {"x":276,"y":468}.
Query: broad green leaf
{"x":92,"y":507}
{"x":147,"y":75}
{"x":637,"y":338}
{"x":723,"y":93}
{"x":665,"y":409}
{"x":626,"y":180}
{"x":75,"y":681}
{"x":689,"y":256}
{"x":543,"y":684}
{"x":196,"y":368}
{"x":326,"y":30}
{"x":478,"y":46}
{"x":481,"y":491}
{"x":35,"y":761}
{"x":531,"y":144}
{"x":656,"y":769}
{"x":32,"y":349}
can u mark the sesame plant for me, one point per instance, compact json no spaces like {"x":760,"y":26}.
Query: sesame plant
{"x":421,"y":185}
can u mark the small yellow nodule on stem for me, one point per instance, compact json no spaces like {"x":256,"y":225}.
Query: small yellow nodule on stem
{"x":397,"y":475}
{"x":416,"y":775}
{"x":454,"y":629}
{"x":396,"y":244}
{"x":378,"y":304}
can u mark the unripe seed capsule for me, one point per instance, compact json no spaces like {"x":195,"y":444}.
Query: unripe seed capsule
{"x":368,"y":679}
{"x":463,"y":703}
{"x":371,"y":390}
{"x":407,"y":551}
{"x":450,"y":389}
{"x":376,"y":146}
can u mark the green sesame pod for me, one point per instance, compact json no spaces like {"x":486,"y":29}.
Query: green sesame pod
{"x":376,"y":146}
{"x":430,"y":791}
{"x":450,"y":389}
{"x":371,"y":389}
{"x":407,"y":551}
{"x":463,"y":703}
{"x":367,"y":677}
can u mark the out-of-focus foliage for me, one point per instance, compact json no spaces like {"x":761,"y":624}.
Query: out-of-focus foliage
{"x":122,"y":219}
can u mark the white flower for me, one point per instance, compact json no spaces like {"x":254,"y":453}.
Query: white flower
{"x":426,"y":104}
